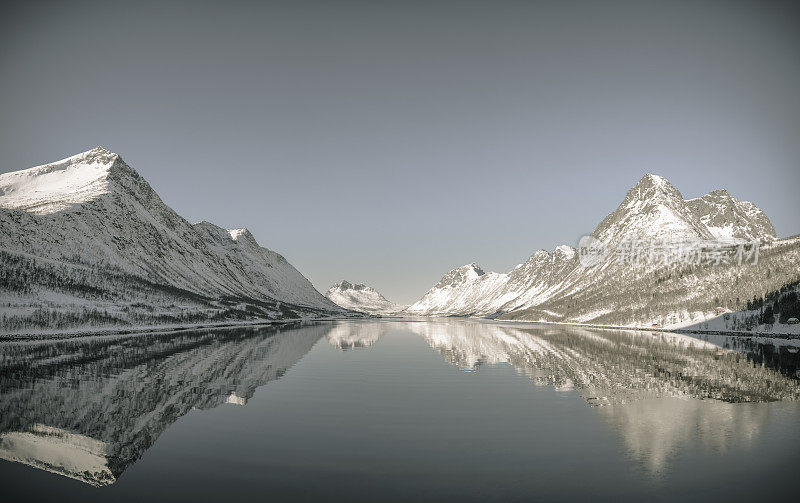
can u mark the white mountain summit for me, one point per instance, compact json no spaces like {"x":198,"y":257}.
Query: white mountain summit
{"x":86,"y":241}
{"x":555,"y":286}
{"x":361,"y":298}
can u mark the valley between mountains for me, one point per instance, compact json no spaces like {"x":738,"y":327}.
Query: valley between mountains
{"x":87,"y":245}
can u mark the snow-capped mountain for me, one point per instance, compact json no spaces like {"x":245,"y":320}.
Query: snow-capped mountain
{"x":89,"y":232}
{"x":464,"y":290}
{"x":361,"y":298}
{"x":728,"y":218}
{"x":557,"y":286}
{"x":652,"y":209}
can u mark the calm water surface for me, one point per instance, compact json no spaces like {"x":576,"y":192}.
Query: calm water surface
{"x":437,"y":410}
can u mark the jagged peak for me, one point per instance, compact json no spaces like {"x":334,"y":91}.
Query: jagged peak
{"x":342,"y":285}
{"x":730,"y":218}
{"x":652,"y":209}
{"x":650,"y":186}
{"x":467,"y":272}
{"x":346,"y":285}
{"x":206,"y":223}
{"x":471,"y":267}
{"x":716,"y":195}
{"x":560,"y":252}
{"x":96,"y":155}
{"x":653,"y":179}
{"x":99,"y":153}
{"x":720,"y":192}
{"x":221,"y":234}
{"x":564,"y":251}
{"x":539,"y":255}
{"x":241,"y":234}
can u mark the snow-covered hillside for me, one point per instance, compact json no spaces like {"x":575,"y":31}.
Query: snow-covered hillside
{"x":86,"y":240}
{"x":464,"y":290}
{"x":557,"y":286}
{"x":728,"y":218}
{"x":361,"y":298}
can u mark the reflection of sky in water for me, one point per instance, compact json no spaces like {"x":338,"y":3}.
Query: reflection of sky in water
{"x":394,"y":412}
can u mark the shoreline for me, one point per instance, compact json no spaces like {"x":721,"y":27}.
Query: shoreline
{"x":732,"y":333}
{"x":154,"y":329}
{"x":167,"y":329}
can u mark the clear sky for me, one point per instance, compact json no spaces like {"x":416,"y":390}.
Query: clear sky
{"x":388,"y":142}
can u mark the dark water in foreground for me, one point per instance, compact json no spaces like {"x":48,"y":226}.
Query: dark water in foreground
{"x":442,"y":410}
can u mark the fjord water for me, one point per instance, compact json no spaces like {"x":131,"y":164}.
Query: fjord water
{"x":437,"y":410}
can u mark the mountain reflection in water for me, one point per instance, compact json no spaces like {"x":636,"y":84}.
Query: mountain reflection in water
{"x":610,"y":366}
{"x":648,"y":386}
{"x":88,"y":408}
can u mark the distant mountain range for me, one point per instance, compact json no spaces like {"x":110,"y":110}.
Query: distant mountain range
{"x":361,"y":298}
{"x":87,"y":242}
{"x":694,"y":259}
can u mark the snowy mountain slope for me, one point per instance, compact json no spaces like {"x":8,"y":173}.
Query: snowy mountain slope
{"x":481,"y":293}
{"x":652,"y":209}
{"x":93,"y":210}
{"x":464,"y":290}
{"x":361,"y":298}
{"x":728,"y":218}
{"x":557,"y":287}
{"x":266,"y":270}
{"x":60,"y":185}
{"x":669,"y":296}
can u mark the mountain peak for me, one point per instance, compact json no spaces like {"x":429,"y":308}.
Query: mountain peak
{"x":99,"y":152}
{"x":539,"y":255}
{"x":59,"y":185}
{"x":346,"y":285}
{"x":718,"y":193}
{"x":653,"y":179}
{"x":226,"y":237}
{"x":728,"y":218}
{"x":564,"y":252}
{"x":467,"y":272}
{"x":242,"y":235}
{"x":652,"y":186}
{"x":471,"y":269}
{"x":652,"y":209}
{"x":360,"y":297}
{"x":342,"y":285}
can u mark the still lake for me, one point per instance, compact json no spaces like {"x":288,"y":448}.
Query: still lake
{"x":400,"y":410}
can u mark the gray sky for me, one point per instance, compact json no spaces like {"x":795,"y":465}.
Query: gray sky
{"x":388,"y":142}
